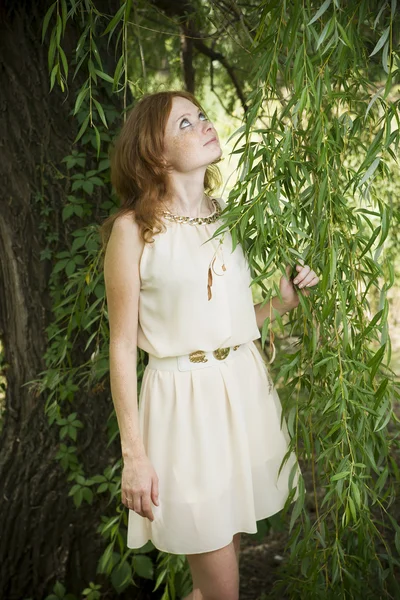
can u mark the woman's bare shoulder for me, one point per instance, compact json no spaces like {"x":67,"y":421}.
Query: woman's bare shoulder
{"x":126,"y":220}
{"x":125,"y":244}
{"x":125,"y":227}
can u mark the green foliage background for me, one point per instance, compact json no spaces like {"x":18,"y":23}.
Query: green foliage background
{"x":315,"y":145}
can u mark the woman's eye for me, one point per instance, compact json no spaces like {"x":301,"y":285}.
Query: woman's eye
{"x":201,"y":114}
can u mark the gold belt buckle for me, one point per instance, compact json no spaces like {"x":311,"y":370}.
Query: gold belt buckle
{"x":198,"y":356}
{"x":221,"y":353}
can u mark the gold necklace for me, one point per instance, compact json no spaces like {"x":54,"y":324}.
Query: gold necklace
{"x":195,"y":220}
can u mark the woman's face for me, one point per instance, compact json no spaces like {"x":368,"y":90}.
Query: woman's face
{"x":190,"y":140}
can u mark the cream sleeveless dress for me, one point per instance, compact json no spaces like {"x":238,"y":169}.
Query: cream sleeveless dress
{"x":213,"y":435}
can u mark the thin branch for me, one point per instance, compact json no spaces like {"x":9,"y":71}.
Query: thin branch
{"x":187,"y":58}
{"x":204,"y":49}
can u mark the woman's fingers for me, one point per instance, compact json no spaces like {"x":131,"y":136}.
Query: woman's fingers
{"x":127,"y":500}
{"x":146,"y":507}
{"x":154,"y":490}
{"x":140,"y":503}
{"x":308,"y":280}
{"x":139,"y":487}
{"x":307,"y":277}
{"x":314,"y":280}
{"x":301,"y":275}
{"x":137,"y":503}
{"x":306,"y":290}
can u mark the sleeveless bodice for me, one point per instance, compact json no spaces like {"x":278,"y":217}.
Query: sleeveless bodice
{"x":188,"y":301}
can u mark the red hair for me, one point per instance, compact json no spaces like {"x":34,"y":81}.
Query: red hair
{"x":138,"y":176}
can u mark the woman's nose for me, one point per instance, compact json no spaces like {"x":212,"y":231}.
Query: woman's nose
{"x":208,"y":126}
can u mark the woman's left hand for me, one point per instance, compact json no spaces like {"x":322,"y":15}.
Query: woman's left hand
{"x":305,"y":278}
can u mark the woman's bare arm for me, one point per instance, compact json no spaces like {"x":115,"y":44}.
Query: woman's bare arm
{"x":262,"y":312}
{"x":122,"y":280}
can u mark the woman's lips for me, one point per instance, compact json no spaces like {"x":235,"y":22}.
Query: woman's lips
{"x":210,"y":141}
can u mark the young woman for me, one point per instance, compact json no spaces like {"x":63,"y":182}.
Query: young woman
{"x":202,"y":451}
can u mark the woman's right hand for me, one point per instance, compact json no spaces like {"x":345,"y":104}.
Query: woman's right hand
{"x":139,"y":486}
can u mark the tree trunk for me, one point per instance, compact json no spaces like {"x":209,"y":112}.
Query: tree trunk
{"x":44,"y":537}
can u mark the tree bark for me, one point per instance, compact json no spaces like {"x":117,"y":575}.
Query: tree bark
{"x":44,"y":537}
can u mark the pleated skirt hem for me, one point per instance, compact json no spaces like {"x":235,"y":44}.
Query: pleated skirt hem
{"x":219,"y":545}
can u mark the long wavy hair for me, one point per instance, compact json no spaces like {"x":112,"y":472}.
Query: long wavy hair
{"x":138,"y":176}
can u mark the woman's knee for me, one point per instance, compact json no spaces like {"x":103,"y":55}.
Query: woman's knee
{"x":216,"y":573}
{"x":227,"y":595}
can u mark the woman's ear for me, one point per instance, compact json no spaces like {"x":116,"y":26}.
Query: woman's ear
{"x":164,"y":163}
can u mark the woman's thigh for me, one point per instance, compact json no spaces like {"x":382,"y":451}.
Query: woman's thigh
{"x":216,"y":573}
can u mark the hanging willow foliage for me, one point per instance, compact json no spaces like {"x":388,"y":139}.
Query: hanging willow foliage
{"x":317,"y":147}
{"x":318,"y":144}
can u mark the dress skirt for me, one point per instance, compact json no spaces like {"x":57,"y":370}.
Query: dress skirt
{"x":215,"y":439}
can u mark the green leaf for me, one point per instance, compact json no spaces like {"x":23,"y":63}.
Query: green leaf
{"x":121,"y":577}
{"x":320,"y":12}
{"x":52,"y":49}
{"x":118,"y":70}
{"x":82,"y":129}
{"x":376,"y":360}
{"x":371,"y":241}
{"x":87,"y":495}
{"x":344,"y":35}
{"x":46,"y":19}
{"x":101,"y":112}
{"x":81,"y":41}
{"x":98,"y":145}
{"x":64,"y":61}
{"x":88,"y":186}
{"x":106,"y":560}
{"x":128,"y":6}
{"x":340,"y":475}
{"x":96,"y":54}
{"x":59,"y":589}
{"x":324,"y":33}
{"x":53,"y":75}
{"x":143,"y":566}
{"x":92,"y":70}
{"x":299,"y":504}
{"x":64,"y":15}
{"x":80,"y":98}
{"x":385,"y":54}
{"x":356,"y":494}
{"x":372,"y":101}
{"x":332,"y":265}
{"x":58,"y":30}
{"x":352,"y":508}
{"x":381,"y":41}
{"x":70,"y":267}
{"x":370,"y":171}
{"x":104,"y":76}
{"x":115,"y":20}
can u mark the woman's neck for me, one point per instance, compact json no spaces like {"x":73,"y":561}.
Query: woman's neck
{"x":189,"y":207}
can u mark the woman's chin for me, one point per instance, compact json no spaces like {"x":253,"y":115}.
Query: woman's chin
{"x":216,"y":155}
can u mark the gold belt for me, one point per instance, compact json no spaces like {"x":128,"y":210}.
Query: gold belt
{"x":199,"y":356}
{"x":199,"y":359}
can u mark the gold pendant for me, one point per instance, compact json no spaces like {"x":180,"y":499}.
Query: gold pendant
{"x":198,"y":356}
{"x":221,"y":353}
